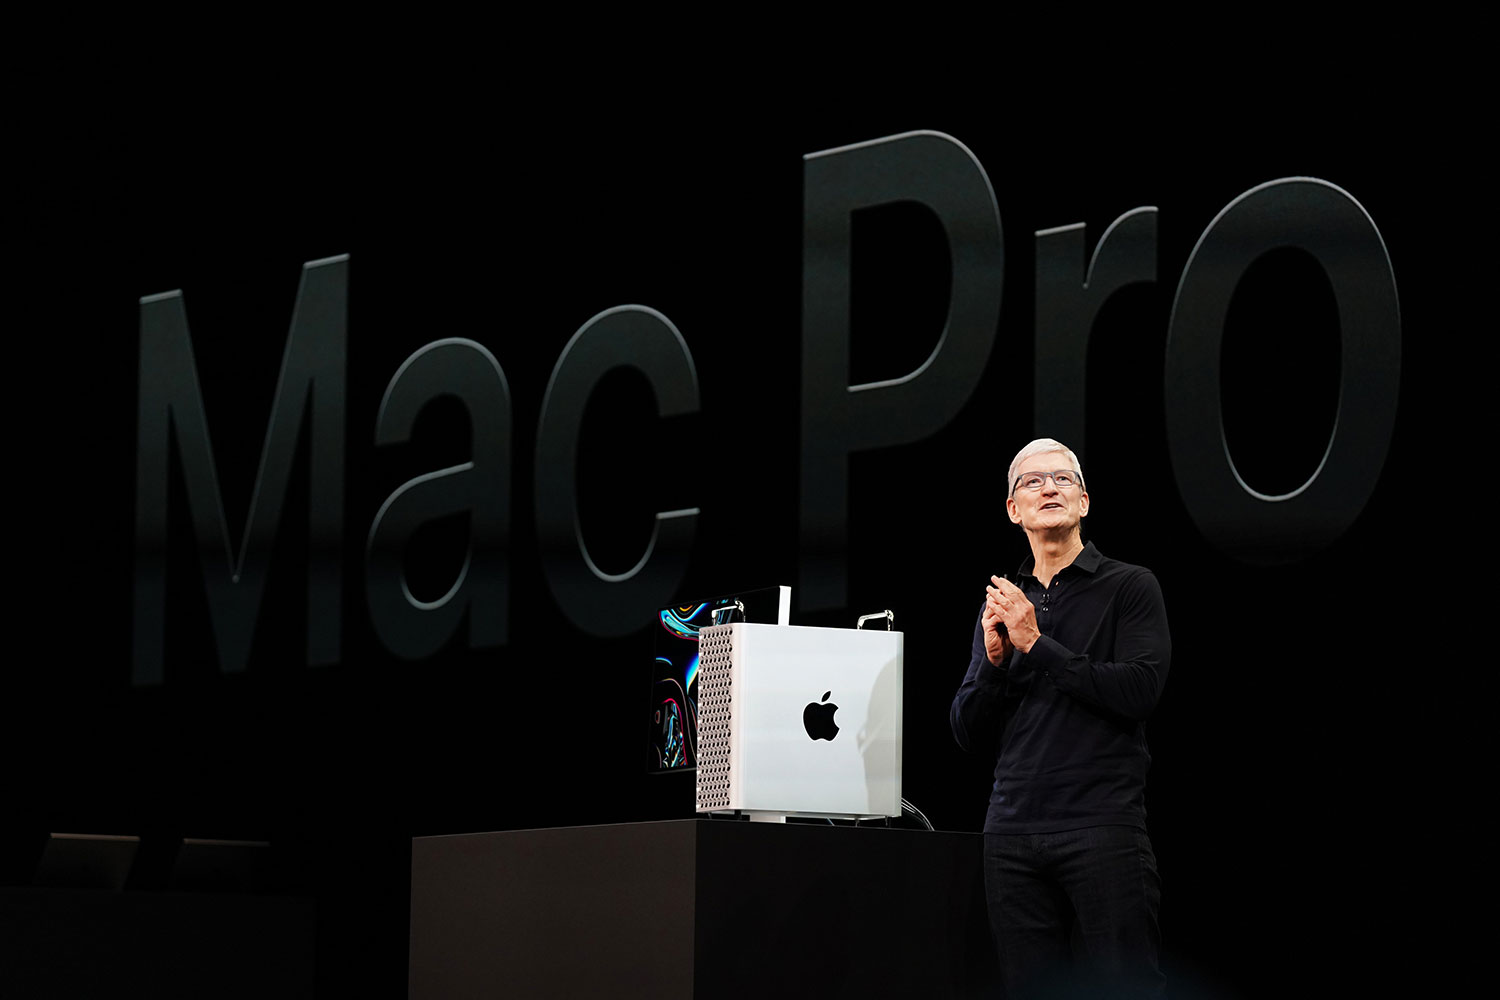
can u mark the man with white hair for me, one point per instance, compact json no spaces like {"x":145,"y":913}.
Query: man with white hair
{"x":1068,"y":661}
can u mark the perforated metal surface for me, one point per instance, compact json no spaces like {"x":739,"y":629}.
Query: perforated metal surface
{"x":714,"y":718}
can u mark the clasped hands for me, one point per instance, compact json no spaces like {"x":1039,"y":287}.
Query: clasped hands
{"x":1009,"y":621}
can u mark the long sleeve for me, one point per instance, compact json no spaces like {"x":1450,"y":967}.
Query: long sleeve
{"x":978,"y":711}
{"x":1066,"y":718}
{"x":1129,"y":684}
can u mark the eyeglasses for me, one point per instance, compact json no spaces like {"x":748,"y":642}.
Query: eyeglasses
{"x":1062,"y":478}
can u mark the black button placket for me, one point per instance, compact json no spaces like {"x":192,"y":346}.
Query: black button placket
{"x":1049,"y":597}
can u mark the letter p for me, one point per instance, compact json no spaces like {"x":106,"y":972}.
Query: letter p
{"x":837,"y":418}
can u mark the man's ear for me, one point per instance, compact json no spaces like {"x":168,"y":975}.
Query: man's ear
{"x":1083,"y":505}
{"x":1012,"y":510}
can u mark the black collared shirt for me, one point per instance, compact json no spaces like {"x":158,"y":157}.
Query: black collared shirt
{"x":1066,"y":721}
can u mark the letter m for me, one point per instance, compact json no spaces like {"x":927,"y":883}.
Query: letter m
{"x":310,"y":390}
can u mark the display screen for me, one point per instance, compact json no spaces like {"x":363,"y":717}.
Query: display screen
{"x":674,"y":688}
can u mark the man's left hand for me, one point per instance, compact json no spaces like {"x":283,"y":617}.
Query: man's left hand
{"x":1012,"y":608}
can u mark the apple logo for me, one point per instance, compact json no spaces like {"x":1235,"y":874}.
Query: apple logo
{"x":818,"y":719}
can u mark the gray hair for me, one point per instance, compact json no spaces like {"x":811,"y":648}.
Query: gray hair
{"x":1040,"y":446}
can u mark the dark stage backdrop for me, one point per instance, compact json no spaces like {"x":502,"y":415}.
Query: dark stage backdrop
{"x":1309,"y":792}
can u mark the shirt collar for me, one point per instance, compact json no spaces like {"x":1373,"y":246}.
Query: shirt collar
{"x":1088,"y":560}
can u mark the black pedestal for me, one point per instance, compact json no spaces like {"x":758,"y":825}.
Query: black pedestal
{"x":700,"y":908}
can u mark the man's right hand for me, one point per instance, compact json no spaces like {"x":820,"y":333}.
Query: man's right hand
{"x":997,"y":644}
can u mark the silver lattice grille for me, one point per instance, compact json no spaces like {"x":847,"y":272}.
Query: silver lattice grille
{"x":714,"y":717}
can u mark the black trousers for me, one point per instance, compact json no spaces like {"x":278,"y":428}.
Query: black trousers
{"x":1075,"y":913}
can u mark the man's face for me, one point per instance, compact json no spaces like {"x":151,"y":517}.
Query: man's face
{"x":1049,"y":509}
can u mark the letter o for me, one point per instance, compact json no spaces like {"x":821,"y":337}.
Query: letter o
{"x":1326,"y":222}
